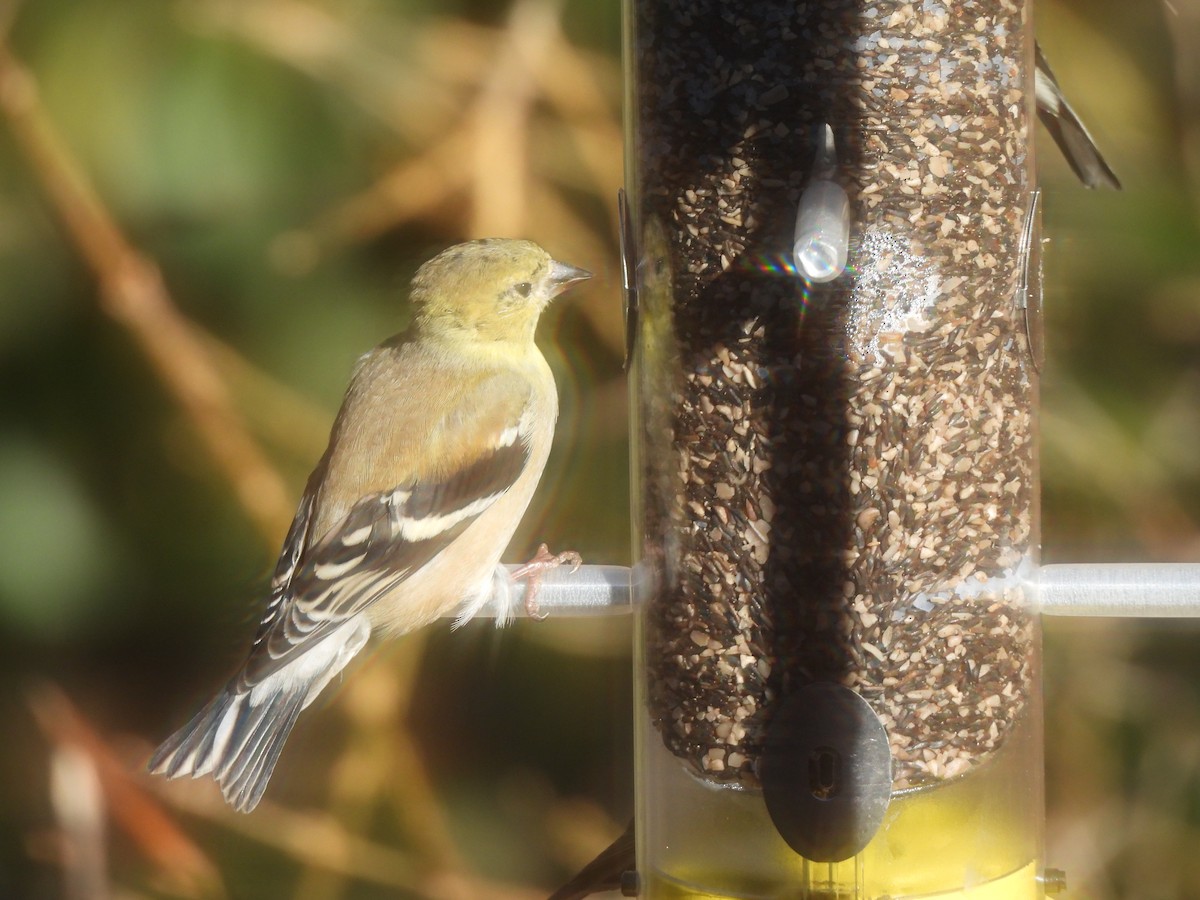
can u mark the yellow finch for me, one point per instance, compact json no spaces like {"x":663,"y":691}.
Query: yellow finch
{"x":433,"y":458}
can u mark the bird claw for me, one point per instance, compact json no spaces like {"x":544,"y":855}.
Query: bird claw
{"x":543,"y":561}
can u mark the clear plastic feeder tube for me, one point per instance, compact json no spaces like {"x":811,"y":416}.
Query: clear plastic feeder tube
{"x":836,"y":498}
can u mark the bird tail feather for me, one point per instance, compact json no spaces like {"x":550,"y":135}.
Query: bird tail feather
{"x":237,"y":739}
{"x":238,"y":736}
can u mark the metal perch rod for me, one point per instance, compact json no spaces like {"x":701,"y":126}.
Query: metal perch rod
{"x":1119,"y":589}
{"x":588,"y":591}
{"x":1066,"y":589}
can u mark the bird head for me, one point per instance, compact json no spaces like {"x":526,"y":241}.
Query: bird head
{"x":494,"y":289}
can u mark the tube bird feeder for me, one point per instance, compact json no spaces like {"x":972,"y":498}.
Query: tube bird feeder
{"x":836,"y":497}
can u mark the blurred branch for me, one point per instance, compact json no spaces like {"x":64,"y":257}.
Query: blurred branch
{"x":381,"y":762}
{"x":1110,"y":462}
{"x":373,"y":65}
{"x":282,"y":416}
{"x":133,"y":294}
{"x":1183,"y":25}
{"x":186,"y":867}
{"x":311,"y":838}
{"x":320,"y":840}
{"x":8,"y":13}
{"x":78,"y":805}
{"x":499,"y":119}
{"x":483,"y":155}
{"x":379,"y":703}
{"x":513,"y":118}
{"x":418,"y":187}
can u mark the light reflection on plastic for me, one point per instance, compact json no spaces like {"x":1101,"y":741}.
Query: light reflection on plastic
{"x":783,"y":265}
{"x":895,"y":291}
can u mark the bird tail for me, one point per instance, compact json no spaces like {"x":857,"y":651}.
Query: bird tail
{"x":1072,"y":137}
{"x":1079,"y":148}
{"x":237,"y":738}
{"x":607,"y":872}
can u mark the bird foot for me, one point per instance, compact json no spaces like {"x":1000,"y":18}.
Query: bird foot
{"x":543,"y":561}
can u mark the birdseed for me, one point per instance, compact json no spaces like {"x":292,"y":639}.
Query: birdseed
{"x":838,"y":480}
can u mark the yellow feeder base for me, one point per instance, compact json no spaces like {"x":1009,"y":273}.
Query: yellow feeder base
{"x":1020,"y":885}
{"x":976,"y":837}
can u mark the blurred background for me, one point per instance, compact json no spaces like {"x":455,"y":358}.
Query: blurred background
{"x":267,"y":174}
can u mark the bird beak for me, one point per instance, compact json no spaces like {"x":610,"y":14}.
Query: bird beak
{"x":563,"y":276}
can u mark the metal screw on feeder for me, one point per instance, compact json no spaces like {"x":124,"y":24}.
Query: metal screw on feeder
{"x":823,"y":220}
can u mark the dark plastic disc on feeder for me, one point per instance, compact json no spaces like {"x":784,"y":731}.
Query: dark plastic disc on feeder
{"x":826,"y":772}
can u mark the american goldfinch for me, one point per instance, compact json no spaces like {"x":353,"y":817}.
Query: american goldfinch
{"x":432,"y":460}
{"x":1073,"y":139}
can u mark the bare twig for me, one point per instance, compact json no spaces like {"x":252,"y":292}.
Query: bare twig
{"x":381,"y":760}
{"x":139,"y":815}
{"x":500,"y":117}
{"x":369,"y":59}
{"x":283,"y":418}
{"x":417,"y":187}
{"x":314,"y":839}
{"x":321,"y":840}
{"x":1074,"y":425}
{"x":133,"y":294}
{"x":78,"y":803}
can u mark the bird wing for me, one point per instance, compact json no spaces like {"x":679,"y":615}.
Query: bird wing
{"x":389,"y":535}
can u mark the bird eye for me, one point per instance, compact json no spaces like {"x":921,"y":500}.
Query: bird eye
{"x":523,"y":288}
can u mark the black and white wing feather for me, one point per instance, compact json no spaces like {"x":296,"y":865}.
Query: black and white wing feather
{"x":316,"y":618}
{"x":1073,"y":139}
